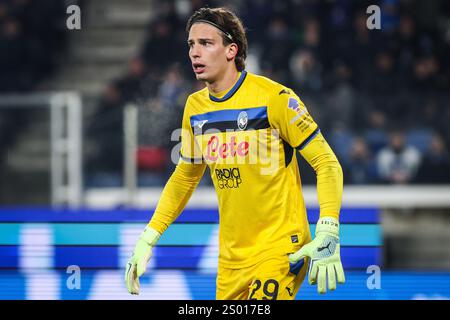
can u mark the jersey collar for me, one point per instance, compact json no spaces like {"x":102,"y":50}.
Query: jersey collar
{"x":232,"y":91}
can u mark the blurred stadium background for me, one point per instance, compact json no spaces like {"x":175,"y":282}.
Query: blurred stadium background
{"x":86,"y":118}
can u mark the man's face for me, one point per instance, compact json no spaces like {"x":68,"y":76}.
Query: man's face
{"x":397,"y":141}
{"x":207,"y":52}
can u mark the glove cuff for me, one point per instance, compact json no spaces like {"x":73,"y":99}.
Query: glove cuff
{"x":328,"y":225}
{"x":150,"y":236}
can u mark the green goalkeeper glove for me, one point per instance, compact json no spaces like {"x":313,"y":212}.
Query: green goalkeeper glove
{"x":137,"y":264}
{"x":324,"y":254}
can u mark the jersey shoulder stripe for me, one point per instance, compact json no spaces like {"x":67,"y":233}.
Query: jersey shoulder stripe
{"x":231,"y":119}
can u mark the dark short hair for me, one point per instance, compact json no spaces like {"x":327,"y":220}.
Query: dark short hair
{"x":230,"y":24}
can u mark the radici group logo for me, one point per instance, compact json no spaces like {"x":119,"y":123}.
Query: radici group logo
{"x":229,"y":178}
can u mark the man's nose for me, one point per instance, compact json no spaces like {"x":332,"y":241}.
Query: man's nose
{"x":195,"y":52}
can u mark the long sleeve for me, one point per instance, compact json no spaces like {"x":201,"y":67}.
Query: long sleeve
{"x":176,"y":194}
{"x":290,"y":116}
{"x":329,"y":175}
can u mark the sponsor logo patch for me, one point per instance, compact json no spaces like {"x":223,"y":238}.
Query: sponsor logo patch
{"x":217,"y":148}
{"x":242,"y":120}
{"x":229,"y":178}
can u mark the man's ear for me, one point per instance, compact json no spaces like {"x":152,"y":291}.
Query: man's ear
{"x":232,"y":51}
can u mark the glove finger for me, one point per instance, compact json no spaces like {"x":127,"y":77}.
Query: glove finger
{"x":127,"y":271}
{"x":136,"y":283}
{"x":313,"y":270}
{"x":300,"y":254}
{"x":129,"y":277}
{"x":142,"y":263}
{"x":322,"y":280}
{"x":331,"y":274}
{"x":340,"y":272}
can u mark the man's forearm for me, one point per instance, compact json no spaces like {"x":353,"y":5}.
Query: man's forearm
{"x":329,"y":176}
{"x":176,"y":194}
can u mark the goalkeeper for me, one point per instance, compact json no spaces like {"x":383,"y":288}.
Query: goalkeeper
{"x":265,"y":246}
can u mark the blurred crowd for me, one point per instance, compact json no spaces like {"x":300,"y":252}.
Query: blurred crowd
{"x":31,"y":39}
{"x":381,"y":97}
{"x":31,"y":35}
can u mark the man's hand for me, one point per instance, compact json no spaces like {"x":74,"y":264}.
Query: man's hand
{"x":324,"y":254}
{"x":137,"y":264}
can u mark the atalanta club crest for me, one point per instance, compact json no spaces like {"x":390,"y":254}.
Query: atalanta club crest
{"x":242,"y":120}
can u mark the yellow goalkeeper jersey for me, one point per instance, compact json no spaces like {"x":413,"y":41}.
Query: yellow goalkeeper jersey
{"x":247,"y":136}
